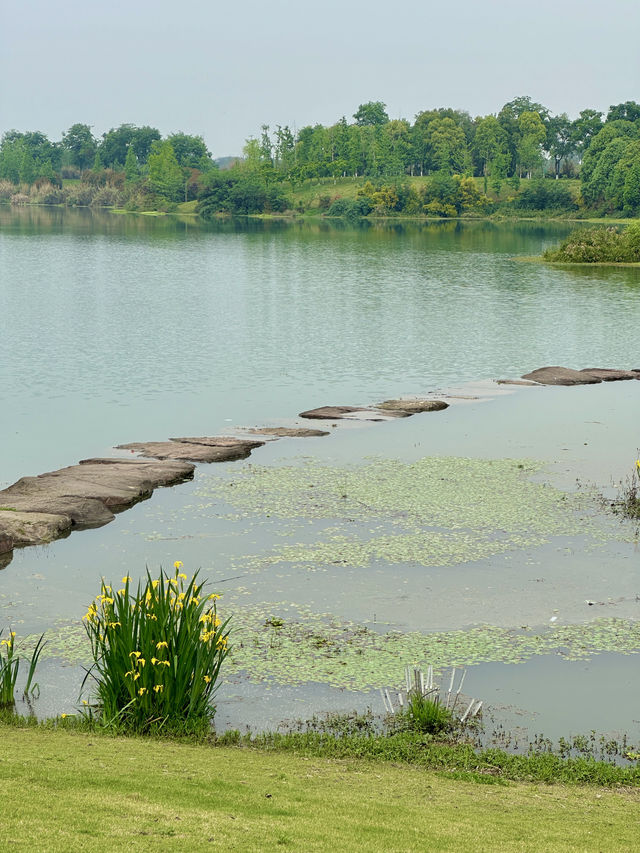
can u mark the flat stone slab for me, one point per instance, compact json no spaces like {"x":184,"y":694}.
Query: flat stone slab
{"x":561,"y":376}
{"x":83,"y":512}
{"x":608,"y":374}
{"x":37,"y":510}
{"x":413,"y":407}
{"x":289,"y":432}
{"x":221,"y":441}
{"x":516,"y":382}
{"x":360,"y":413}
{"x":180,"y":450}
{"x":33,"y":528}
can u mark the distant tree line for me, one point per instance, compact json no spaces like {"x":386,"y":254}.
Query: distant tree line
{"x":521,"y":146}
{"x":129,"y":165}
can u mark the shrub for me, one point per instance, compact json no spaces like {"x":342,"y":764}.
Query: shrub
{"x":545,"y":195}
{"x":7,"y":189}
{"x":351,"y":209}
{"x":157,"y":654}
{"x":597,"y":245}
{"x":425,"y":714}
{"x":107,"y":196}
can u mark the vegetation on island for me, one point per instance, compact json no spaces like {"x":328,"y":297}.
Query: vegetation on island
{"x":444,"y":164}
{"x":599,"y":245}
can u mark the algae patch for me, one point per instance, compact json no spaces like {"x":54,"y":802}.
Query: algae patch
{"x":290,"y":644}
{"x":438,"y":511}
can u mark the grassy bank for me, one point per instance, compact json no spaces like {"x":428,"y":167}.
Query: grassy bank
{"x":65,"y":791}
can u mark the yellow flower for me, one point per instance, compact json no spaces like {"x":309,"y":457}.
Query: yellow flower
{"x":195,"y":599}
{"x":135,"y":654}
{"x":121,"y":591}
{"x":153,"y":616}
{"x":183,"y":576}
{"x":178,"y":564}
{"x":115,"y":625}
{"x":159,"y":688}
{"x":638,"y":464}
{"x":125,"y":579}
{"x":142,"y":691}
{"x":166,"y":662}
{"x":84,"y":702}
{"x":154,"y":661}
{"x":63,"y":716}
{"x":154,"y":584}
{"x":140,"y":661}
{"x":207,"y":678}
{"x":162,"y":645}
{"x":214,"y":597}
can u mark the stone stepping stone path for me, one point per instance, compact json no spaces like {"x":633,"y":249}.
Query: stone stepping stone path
{"x":38,"y":510}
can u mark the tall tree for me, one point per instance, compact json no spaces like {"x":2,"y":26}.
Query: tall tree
{"x":165,"y":175}
{"x":80,"y":145}
{"x":372,"y":113}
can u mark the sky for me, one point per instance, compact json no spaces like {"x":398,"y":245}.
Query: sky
{"x":222,"y":69}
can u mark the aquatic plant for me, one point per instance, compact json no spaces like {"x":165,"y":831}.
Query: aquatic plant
{"x":10,"y":667}
{"x":628,"y":503}
{"x":157,"y":653}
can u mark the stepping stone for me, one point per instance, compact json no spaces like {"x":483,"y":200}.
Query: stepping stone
{"x":561,"y":376}
{"x":413,"y":407}
{"x":32,"y":528}
{"x":181,"y":450}
{"x":36,"y":510}
{"x":608,"y":374}
{"x":351,"y":413}
{"x":221,"y":441}
{"x":289,"y":432}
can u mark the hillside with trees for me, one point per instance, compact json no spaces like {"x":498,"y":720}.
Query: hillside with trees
{"x":520,"y":160}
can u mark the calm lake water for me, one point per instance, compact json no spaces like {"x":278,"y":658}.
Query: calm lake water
{"x":126,"y":328}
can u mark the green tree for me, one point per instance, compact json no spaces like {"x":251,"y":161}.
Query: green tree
{"x":628,"y":111}
{"x":131,"y":168}
{"x":165,"y":174}
{"x":113,"y":149}
{"x":584,"y":128}
{"x":532,"y":136}
{"x":560,"y":140}
{"x":80,"y":145}
{"x":447,"y":147}
{"x":191,"y":151}
{"x":490,"y":146}
{"x":372,"y":113}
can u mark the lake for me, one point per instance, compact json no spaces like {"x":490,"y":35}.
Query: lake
{"x":117,"y":328}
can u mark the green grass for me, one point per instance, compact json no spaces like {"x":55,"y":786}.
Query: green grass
{"x":75,"y":791}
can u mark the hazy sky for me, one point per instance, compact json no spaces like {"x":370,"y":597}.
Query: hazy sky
{"x":221,"y":69}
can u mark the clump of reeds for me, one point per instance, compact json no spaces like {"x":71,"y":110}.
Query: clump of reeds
{"x":428,"y":708}
{"x":157,"y":654}
{"x":10,"y":667}
{"x":628,"y":502}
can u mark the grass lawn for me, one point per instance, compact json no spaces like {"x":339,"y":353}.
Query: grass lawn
{"x":64,"y":791}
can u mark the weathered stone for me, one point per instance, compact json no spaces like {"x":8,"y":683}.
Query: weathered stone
{"x":351,"y":412}
{"x":608,"y":374}
{"x":166,"y":473}
{"x":413,"y":407}
{"x":33,"y":528}
{"x":560,"y":376}
{"x":6,"y":542}
{"x":516,"y":382}
{"x":290,"y":432}
{"x":221,"y":441}
{"x":83,"y":512}
{"x":192,"y":452}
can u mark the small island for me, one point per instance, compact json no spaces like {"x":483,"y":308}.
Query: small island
{"x":599,"y":246}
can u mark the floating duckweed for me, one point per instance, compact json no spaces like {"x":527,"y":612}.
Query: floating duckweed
{"x":300,"y":646}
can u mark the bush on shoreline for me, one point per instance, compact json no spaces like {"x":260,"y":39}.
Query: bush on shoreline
{"x":599,"y":245}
